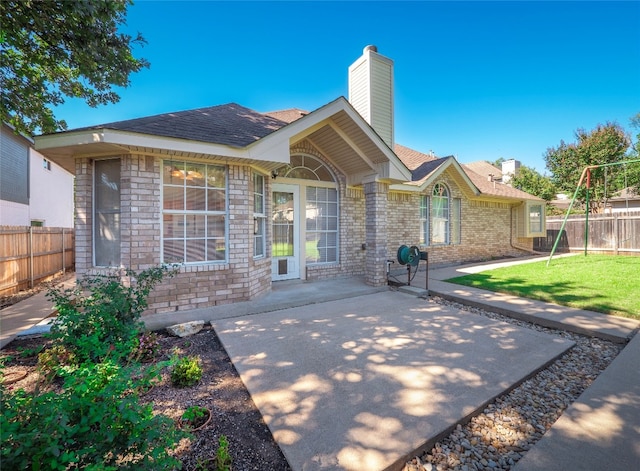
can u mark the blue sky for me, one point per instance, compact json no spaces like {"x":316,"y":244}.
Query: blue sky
{"x":479,"y":80}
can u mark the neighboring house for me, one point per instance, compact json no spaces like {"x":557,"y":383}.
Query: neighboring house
{"x":623,"y":201}
{"x":33,"y":190}
{"x":241,"y":199}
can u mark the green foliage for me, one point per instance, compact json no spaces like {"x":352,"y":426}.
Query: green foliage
{"x":100,"y":316}
{"x":94,"y":422}
{"x":193,"y":413}
{"x":186,"y":372}
{"x":223,"y":458}
{"x":29,"y":352}
{"x":603,"y":145}
{"x":53,"y":360}
{"x":194,"y":417}
{"x":57,"y":49}
{"x":531,"y":181}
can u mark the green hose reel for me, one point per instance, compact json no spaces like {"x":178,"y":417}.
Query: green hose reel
{"x":409,"y":255}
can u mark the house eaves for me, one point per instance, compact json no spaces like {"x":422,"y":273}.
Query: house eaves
{"x":64,"y":148}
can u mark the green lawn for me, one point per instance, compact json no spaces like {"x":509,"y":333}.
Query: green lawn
{"x":602,"y":283}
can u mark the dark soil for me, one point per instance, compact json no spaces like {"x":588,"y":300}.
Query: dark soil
{"x":235,"y":415}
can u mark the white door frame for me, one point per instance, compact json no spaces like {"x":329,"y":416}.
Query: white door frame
{"x":287,"y":267}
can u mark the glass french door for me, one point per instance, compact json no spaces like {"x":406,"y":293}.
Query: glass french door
{"x":285,"y":248}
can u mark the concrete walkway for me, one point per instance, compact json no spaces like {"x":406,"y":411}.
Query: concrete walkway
{"x":354,"y":367}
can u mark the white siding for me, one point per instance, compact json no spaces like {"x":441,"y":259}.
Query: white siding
{"x":371,"y":92}
{"x":14,"y":214}
{"x":51,"y":193}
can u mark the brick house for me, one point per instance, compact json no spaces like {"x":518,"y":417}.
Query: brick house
{"x":242,"y":199}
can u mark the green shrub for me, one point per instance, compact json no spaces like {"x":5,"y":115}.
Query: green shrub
{"x":94,"y":422}
{"x":100,"y":316}
{"x":186,"y":372}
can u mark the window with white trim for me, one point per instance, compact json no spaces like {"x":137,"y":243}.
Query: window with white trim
{"x":259,"y":215}
{"x":106,"y":213}
{"x":440,"y":215}
{"x":424,"y":219}
{"x":194,"y":212}
{"x":322,"y":225}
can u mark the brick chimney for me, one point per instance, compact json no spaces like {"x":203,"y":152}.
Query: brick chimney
{"x":371,"y":91}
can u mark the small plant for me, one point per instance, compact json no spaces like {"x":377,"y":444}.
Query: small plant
{"x":223,"y":458}
{"x":30,"y":352}
{"x":146,"y":347}
{"x":186,"y":372}
{"x":195,"y":417}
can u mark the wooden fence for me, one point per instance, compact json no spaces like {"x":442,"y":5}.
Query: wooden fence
{"x":29,"y":255}
{"x":617,"y":233}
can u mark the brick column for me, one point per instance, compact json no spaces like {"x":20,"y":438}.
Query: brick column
{"x":83,"y":216}
{"x":375,"y":194}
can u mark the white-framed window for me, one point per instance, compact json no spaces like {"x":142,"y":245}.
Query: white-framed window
{"x":194,"y":212}
{"x":535,"y":219}
{"x":106,"y":213}
{"x":321,"y":225}
{"x":424,"y":220}
{"x":440,"y":215}
{"x":259,"y":216}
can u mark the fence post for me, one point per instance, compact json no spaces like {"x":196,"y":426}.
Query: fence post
{"x":31,"y":257}
{"x":64,"y":265}
{"x":616,"y":234}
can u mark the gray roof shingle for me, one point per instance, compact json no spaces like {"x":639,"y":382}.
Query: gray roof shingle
{"x":229,"y":124}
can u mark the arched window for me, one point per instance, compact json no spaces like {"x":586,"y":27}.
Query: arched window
{"x":305,"y":167}
{"x":440,"y":214}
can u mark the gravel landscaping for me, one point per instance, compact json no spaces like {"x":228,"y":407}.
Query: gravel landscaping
{"x":498,"y":437}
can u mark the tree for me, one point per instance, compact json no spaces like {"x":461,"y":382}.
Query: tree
{"x":603,"y":145}
{"x":53,"y":49}
{"x":531,"y":181}
{"x":630,"y":175}
{"x":498,"y":162}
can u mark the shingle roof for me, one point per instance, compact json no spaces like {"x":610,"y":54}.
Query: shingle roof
{"x":484,"y":168}
{"x":288,"y":116}
{"x":412,"y":158}
{"x":497,"y":189}
{"x":235,"y":125}
{"x":426,"y":169}
{"x":229,"y":124}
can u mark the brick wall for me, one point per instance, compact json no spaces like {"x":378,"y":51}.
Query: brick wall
{"x":485,"y":227}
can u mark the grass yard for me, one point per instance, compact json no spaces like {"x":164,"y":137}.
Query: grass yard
{"x":602,"y":283}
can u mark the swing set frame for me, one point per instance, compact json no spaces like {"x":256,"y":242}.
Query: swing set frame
{"x":585,"y":177}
